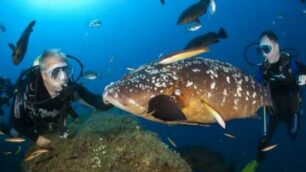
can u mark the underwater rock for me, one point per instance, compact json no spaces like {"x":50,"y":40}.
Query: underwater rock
{"x":107,"y":142}
{"x":204,"y":159}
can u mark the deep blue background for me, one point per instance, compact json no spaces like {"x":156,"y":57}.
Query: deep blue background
{"x":135,"y":32}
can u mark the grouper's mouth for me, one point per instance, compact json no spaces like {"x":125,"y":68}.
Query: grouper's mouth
{"x":123,"y":102}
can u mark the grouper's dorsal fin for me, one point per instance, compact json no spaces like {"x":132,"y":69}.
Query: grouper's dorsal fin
{"x":165,"y":108}
{"x":214,"y":113}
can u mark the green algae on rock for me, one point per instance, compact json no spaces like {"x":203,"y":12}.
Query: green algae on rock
{"x":107,"y":142}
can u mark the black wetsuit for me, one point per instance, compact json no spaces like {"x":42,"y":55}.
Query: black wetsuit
{"x":34,"y":112}
{"x":281,"y":77}
{"x":6,"y":92}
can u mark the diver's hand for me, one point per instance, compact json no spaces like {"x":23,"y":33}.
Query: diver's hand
{"x":302,"y":80}
{"x":42,"y":141}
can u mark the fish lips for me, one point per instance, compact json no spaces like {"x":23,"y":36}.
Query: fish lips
{"x":122,"y":102}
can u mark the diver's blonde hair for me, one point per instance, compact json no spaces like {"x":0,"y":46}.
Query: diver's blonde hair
{"x":51,"y":53}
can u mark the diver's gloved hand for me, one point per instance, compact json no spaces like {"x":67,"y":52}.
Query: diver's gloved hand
{"x":302,"y":80}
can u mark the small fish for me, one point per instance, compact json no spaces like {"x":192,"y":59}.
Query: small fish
{"x":20,"y":49}
{"x":130,"y":69}
{"x":96,"y":23}
{"x":36,"y":154}
{"x":91,"y":75}
{"x":194,"y":12}
{"x":1,"y":132}
{"x":162,"y":2}
{"x":216,"y":115}
{"x":181,"y":55}
{"x":111,"y":59}
{"x":171,"y":141}
{"x":18,"y":150}
{"x":15,"y":140}
{"x":273,"y":22}
{"x":7,"y":153}
{"x":160,"y":55}
{"x":194,"y":27}
{"x":229,"y":136}
{"x":2,"y":28}
{"x":304,"y":11}
{"x":303,"y":1}
{"x":213,"y":7}
{"x":280,"y":17}
{"x":268,"y":148}
{"x":207,"y":39}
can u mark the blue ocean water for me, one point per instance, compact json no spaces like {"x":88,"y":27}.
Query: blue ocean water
{"x":136,"y":32}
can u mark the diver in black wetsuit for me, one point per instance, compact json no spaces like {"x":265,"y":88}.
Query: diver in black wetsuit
{"x":6,"y":92}
{"x":284,"y":76}
{"x":43,"y":98}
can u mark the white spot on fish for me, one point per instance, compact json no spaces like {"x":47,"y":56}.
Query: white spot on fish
{"x":254,"y":102}
{"x":239,"y":89}
{"x":177,"y":92}
{"x":246,"y":78}
{"x":223,"y":100}
{"x":160,"y":84}
{"x":174,"y":77}
{"x":189,"y":83}
{"x":236,"y":101}
{"x":254,"y":94}
{"x":228,"y":79}
{"x":209,"y":94}
{"x":213,"y":85}
{"x":225,"y":92}
{"x":196,"y":70}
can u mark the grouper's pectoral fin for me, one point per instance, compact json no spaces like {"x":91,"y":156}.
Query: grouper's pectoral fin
{"x":166,"y":108}
{"x":214,"y":113}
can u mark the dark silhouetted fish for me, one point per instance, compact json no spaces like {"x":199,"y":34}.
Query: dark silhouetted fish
{"x":190,"y":91}
{"x":303,"y":1}
{"x":21,"y":48}
{"x":2,"y":28}
{"x":162,"y":2}
{"x":192,"y":13}
{"x":207,"y":39}
{"x":203,"y":159}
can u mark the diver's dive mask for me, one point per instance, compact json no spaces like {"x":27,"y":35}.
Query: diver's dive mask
{"x":60,"y":71}
{"x":264,"y":48}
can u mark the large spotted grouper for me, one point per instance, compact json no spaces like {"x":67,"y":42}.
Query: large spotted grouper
{"x":192,"y":91}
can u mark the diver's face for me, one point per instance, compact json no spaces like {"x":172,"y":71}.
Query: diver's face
{"x":54,"y":79}
{"x":269,"y":49}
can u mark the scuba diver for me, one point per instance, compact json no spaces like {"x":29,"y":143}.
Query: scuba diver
{"x":6,"y":92}
{"x":284,"y":76}
{"x":43,"y":98}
